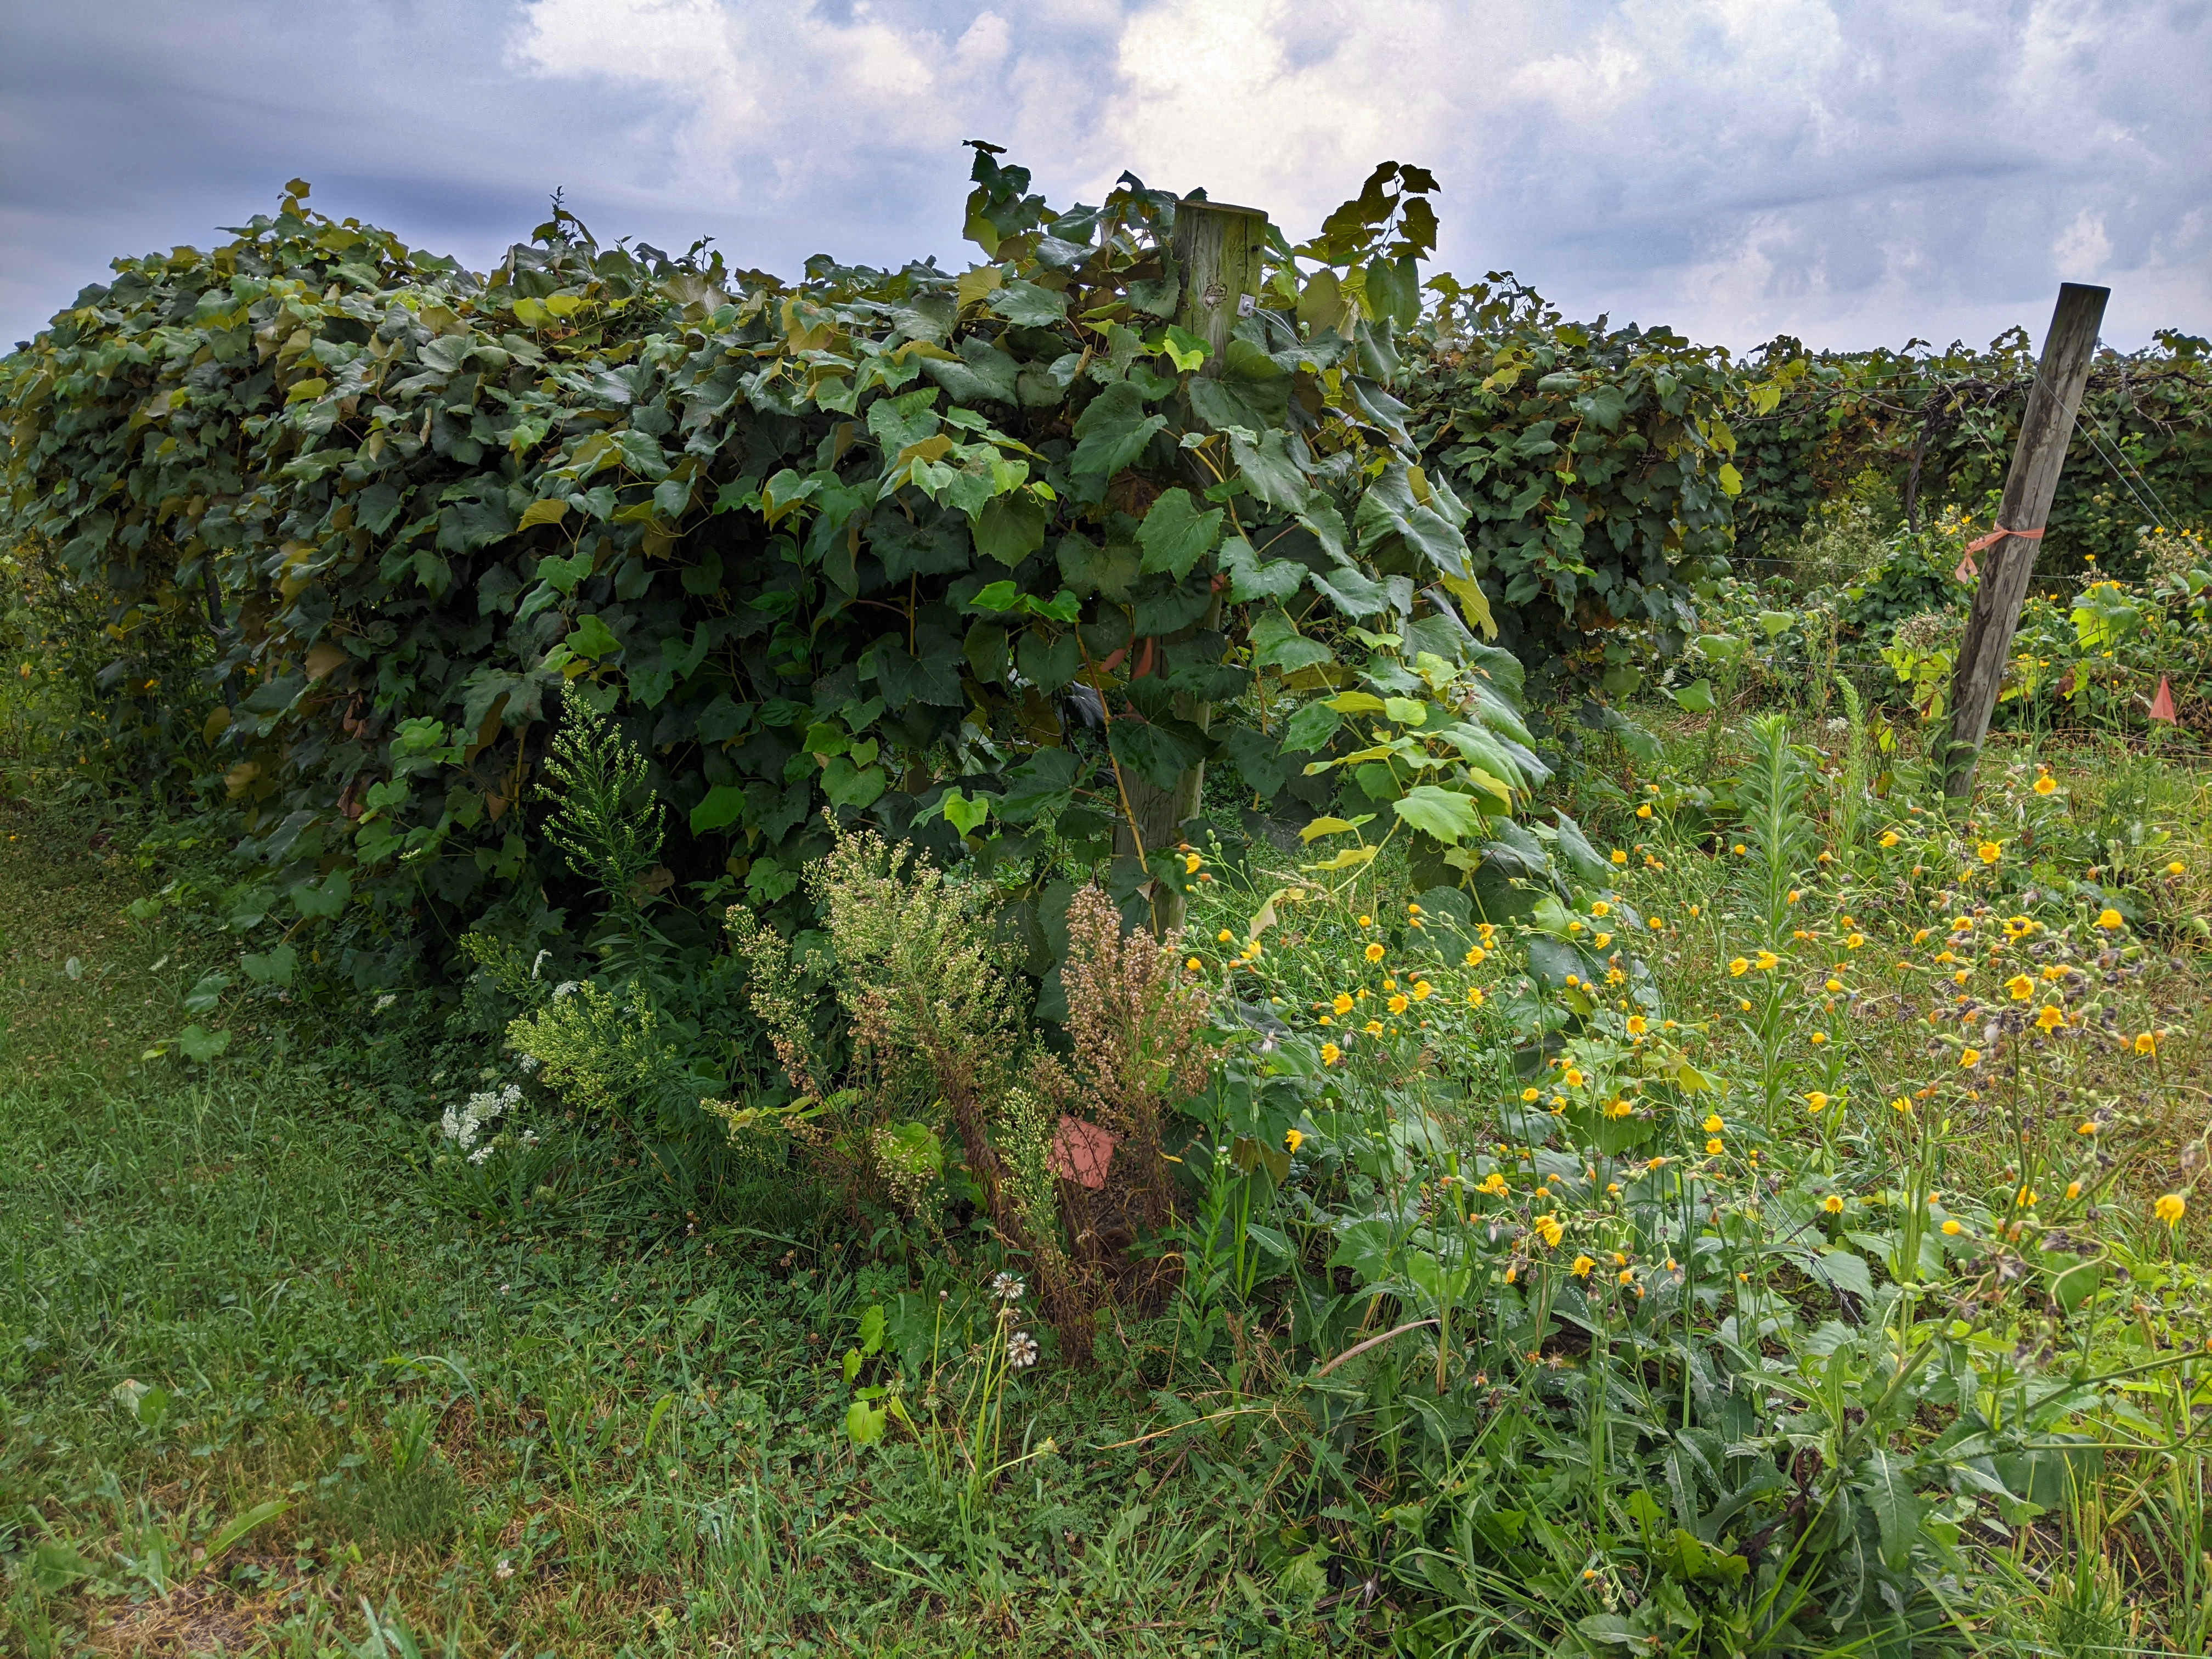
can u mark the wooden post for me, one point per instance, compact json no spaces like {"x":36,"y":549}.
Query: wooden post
{"x":2045,"y":431}
{"x":1217,"y":247}
{"x":1217,"y":250}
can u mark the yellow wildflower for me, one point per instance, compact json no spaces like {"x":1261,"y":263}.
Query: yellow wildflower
{"x":1374,"y":953}
{"x":1833,"y":1204}
{"x":2170,"y":1208}
{"x":2020,"y":987}
{"x":1330,"y":1054}
{"x":2147,"y":1042}
{"x":2110,"y":919}
{"x":1581,"y":1266}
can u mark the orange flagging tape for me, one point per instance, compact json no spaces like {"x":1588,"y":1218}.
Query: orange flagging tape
{"x":1966,"y":571}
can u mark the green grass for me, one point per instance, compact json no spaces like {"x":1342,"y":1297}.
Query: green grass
{"x":260,"y":1364}
{"x":593,"y":1429}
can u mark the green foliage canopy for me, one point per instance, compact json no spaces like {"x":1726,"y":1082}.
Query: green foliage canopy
{"x":853,"y":543}
{"x":1596,"y":462}
{"x":1938,"y":429}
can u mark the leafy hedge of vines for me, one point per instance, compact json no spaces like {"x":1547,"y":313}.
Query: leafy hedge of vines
{"x":881,"y":544}
{"x":997,"y":559}
{"x":1938,"y":429}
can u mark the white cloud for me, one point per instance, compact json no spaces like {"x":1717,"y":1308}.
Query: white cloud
{"x":2082,"y":249}
{"x":771,"y":100}
{"x":1849,"y":171}
{"x":1846,"y":170}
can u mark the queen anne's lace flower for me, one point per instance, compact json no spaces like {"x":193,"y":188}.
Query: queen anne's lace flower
{"x":465,"y":1125}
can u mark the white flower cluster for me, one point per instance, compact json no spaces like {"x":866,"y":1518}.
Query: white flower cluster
{"x":465,"y":1125}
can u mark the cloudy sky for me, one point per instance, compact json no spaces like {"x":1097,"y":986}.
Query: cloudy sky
{"x":1852,"y":172}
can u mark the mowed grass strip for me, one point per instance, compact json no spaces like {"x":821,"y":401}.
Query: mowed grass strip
{"x":231,"y":1315}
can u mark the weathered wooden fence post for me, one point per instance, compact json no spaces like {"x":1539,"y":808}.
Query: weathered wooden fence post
{"x":2037,"y":460}
{"x":1217,"y":250}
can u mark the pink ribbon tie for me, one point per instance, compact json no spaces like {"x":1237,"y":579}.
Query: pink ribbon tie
{"x":1966,"y":571}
